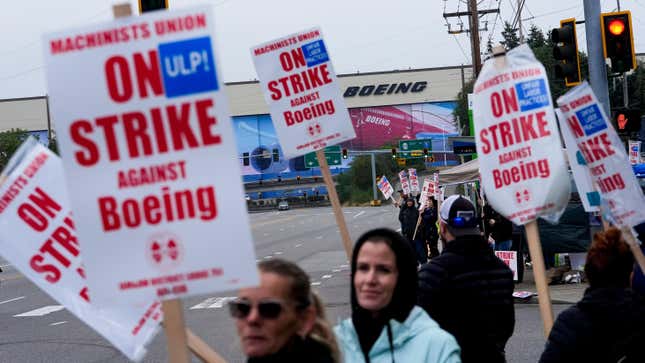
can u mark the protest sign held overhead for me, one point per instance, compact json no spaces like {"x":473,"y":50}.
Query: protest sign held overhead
{"x":522,"y":166}
{"x":510,"y":259}
{"x":385,"y":187}
{"x":427,"y":191}
{"x":38,"y":237}
{"x":604,"y":154}
{"x":634,"y":147}
{"x":405,"y":184}
{"x":588,"y":195}
{"x":302,"y":91}
{"x":414,"y":180}
{"x":148,"y":150}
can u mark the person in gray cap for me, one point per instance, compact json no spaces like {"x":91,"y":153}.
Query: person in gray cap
{"x":467,"y":289}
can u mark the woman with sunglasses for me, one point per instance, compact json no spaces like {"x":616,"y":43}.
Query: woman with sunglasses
{"x":386,"y":325}
{"x":278,"y":321}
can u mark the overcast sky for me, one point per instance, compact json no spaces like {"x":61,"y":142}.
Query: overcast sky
{"x":361,"y":35}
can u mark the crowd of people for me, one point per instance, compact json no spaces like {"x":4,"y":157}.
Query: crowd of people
{"x":456,"y":307}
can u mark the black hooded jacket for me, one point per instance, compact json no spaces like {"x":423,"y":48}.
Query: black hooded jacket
{"x":298,"y":350}
{"x":367,"y":327}
{"x":469,"y":292}
{"x":607,"y":325}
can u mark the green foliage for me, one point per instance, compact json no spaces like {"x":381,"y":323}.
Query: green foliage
{"x":511,"y":39}
{"x":542,"y":46}
{"x":355,"y":185}
{"x":461,"y":110}
{"x":9,"y":142}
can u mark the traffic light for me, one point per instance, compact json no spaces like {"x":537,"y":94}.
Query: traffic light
{"x":345,"y":154}
{"x":393,"y":153}
{"x":152,"y":5}
{"x":298,"y":178}
{"x":425,"y":152}
{"x":276,"y":155}
{"x":565,"y":52}
{"x":618,"y":40}
{"x":246,"y":159}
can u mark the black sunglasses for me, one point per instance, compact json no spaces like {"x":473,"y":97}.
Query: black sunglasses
{"x":267,"y":309}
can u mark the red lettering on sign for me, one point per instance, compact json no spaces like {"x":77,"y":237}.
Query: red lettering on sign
{"x":294,"y":58}
{"x":141,"y":140}
{"x":300,"y":82}
{"x":178,"y":205}
{"x":596,"y":148}
{"x":508,"y":133}
{"x":523,"y":171}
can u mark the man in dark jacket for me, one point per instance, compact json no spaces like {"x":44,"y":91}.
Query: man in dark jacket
{"x":467,"y":289}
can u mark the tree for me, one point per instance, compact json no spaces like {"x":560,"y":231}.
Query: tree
{"x":355,"y":185}
{"x":536,"y":37}
{"x":511,"y":40}
{"x":9,"y":142}
{"x":461,"y":110}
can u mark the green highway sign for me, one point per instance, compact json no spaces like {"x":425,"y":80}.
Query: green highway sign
{"x":409,"y":149}
{"x":332,"y":154}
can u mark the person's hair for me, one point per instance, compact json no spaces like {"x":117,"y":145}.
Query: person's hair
{"x":609,"y":260}
{"x":322,"y":331}
{"x":300,"y":289}
{"x":300,"y":292}
{"x":405,"y":292}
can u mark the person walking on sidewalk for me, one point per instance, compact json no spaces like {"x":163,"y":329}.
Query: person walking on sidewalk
{"x":386,"y":325}
{"x":608,"y":324}
{"x":467,"y":289}
{"x":429,"y":224}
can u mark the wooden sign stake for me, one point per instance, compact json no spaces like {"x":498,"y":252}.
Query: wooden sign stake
{"x":539,"y":272}
{"x":335,"y":202}
{"x":173,"y":326}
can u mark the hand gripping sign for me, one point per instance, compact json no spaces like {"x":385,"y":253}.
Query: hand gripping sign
{"x":148,"y":150}
{"x":301,"y":89}
{"x":604,"y":154}
{"x":414,"y":180}
{"x":588,"y":195}
{"x":38,"y":236}
{"x":522,"y":167}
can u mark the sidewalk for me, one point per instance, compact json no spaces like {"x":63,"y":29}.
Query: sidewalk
{"x":560,"y":294}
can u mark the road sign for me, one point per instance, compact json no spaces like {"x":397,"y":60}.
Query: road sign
{"x":409,"y":149}
{"x":332,"y":154}
{"x":415,"y":145}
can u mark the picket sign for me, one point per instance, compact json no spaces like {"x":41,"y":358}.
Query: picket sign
{"x":178,"y":336}
{"x":307,"y":109}
{"x":604,"y":155}
{"x":523,"y":172}
{"x":386,"y":188}
{"x":588,"y":195}
{"x":405,"y":184}
{"x":414,"y":180}
{"x":634,"y":147}
{"x":38,"y":237}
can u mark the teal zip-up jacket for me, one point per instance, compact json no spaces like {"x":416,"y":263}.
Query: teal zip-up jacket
{"x":417,"y":339}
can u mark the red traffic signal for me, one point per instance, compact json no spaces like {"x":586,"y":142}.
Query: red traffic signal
{"x":393,"y":153}
{"x":618,"y":40}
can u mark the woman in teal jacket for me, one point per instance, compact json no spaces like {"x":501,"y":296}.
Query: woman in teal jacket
{"x":386,"y":326}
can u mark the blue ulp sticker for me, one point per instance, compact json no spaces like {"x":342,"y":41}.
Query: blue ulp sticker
{"x":532,"y":94}
{"x":593,"y":198}
{"x":188,"y":67}
{"x":315,"y":53}
{"x":591,"y":119}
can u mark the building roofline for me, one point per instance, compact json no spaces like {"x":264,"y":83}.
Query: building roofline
{"x":413,"y":70}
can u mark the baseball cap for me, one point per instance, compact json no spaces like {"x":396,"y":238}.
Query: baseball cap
{"x":459,"y":213}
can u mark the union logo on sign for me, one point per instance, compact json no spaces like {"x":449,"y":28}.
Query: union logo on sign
{"x":164,"y":250}
{"x":522,"y":196}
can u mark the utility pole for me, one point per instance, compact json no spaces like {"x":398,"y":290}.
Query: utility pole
{"x":473,"y":23}
{"x":597,"y":67}
{"x":520,"y":4}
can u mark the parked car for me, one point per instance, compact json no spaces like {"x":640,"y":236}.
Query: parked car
{"x":283,"y":205}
